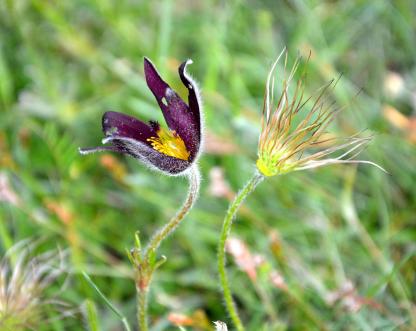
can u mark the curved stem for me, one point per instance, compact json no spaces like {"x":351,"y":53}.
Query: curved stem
{"x":147,"y":266}
{"x":225,"y":232}
{"x":194,"y":181}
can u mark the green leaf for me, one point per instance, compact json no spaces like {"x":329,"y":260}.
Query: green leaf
{"x":91,"y":315}
{"x":119,"y":314}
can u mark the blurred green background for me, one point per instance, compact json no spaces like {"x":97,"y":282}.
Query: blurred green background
{"x":337,"y":244}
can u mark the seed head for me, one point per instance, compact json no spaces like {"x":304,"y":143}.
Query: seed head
{"x":23,"y":283}
{"x":293,"y":131}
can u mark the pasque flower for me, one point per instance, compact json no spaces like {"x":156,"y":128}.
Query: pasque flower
{"x":171,"y":150}
{"x":292,"y":138}
{"x":293,"y":130}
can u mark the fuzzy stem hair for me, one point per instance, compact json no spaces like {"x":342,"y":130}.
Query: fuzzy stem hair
{"x":146,"y":268}
{"x":194,"y":178}
{"x":225,"y":232}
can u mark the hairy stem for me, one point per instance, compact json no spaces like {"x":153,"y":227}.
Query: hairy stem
{"x":142,"y":308}
{"x":225,"y":232}
{"x":194,"y":181}
{"x":147,"y":265}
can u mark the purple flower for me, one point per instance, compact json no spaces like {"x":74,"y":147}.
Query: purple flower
{"x":171,"y":150}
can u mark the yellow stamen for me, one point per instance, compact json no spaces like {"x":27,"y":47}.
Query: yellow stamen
{"x":169,"y":143}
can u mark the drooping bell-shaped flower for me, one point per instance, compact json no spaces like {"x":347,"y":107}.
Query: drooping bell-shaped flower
{"x":171,"y":150}
{"x":293,"y":132}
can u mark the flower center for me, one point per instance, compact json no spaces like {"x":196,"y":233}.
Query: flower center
{"x":265,"y":167}
{"x":271,"y":164}
{"x":169,"y":143}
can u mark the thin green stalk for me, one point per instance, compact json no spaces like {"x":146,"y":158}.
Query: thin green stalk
{"x":92,"y":316}
{"x":194,"y":181}
{"x":142,"y":309}
{"x":225,"y":232}
{"x":147,"y":263}
{"x":119,"y":314}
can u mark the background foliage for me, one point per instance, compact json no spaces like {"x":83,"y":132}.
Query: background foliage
{"x":341,"y":232}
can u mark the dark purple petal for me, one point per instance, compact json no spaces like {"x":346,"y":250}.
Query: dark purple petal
{"x":118,"y":124}
{"x":177,"y":114}
{"x":193,"y":97}
{"x":148,"y":155}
